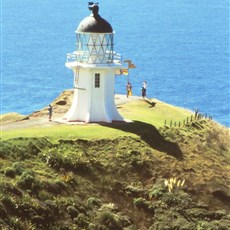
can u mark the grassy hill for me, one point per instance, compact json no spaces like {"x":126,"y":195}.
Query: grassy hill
{"x":136,"y":175}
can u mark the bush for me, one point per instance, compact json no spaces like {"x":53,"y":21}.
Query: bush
{"x":92,"y":201}
{"x":28,"y":181}
{"x":8,"y":203}
{"x":19,"y":169}
{"x":7,"y":188}
{"x":61,"y":185}
{"x":81,"y":221}
{"x":113,"y":221}
{"x":15,"y":223}
{"x":3,"y":212}
{"x":52,"y":188}
{"x":201,"y":226}
{"x":135,"y":189}
{"x":109,"y":216}
{"x":10,"y":172}
{"x":158,"y":190}
{"x":52,"y":206}
{"x":37,"y":220}
{"x":109,"y":219}
{"x":180,"y":199}
{"x":6,"y":149}
{"x":92,"y":226}
{"x":73,"y":212}
{"x":62,"y":158}
{"x":143,"y":203}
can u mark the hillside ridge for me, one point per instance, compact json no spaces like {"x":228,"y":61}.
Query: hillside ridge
{"x":113,"y":176}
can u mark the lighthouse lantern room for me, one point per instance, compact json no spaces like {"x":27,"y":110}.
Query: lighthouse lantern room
{"x":94,"y":64}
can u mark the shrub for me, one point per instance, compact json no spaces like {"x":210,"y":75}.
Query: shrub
{"x":44,"y":195}
{"x":73,"y":212}
{"x":140,"y":202}
{"x":143,"y":203}
{"x":62,"y":158}
{"x":135,"y":189}
{"x":8,"y":203}
{"x":157,"y":191}
{"x":10,"y":172}
{"x":28,"y":181}
{"x":108,"y":219}
{"x":6,"y":149}
{"x":61,"y":185}
{"x":15,"y":223}
{"x":81,"y":221}
{"x":113,"y":221}
{"x":180,"y":199}
{"x":37,"y":220}
{"x":108,"y":216}
{"x":10,"y":188}
{"x":92,"y":226}
{"x":53,"y":208}
{"x":92,"y":201}
{"x":3,"y":212}
{"x":201,"y":225}
{"x":19,"y":169}
{"x":52,"y":187}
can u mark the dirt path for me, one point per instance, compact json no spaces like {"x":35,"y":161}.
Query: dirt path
{"x":40,"y":118}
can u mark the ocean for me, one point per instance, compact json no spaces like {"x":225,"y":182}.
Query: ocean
{"x":180,"y":47}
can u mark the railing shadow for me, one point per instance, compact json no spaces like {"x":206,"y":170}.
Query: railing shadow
{"x":149,"y":134}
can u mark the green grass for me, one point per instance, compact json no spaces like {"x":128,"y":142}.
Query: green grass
{"x":155,"y":115}
{"x":67,"y":131}
{"x":138,"y":111}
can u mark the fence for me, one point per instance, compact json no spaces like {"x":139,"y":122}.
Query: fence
{"x":193,"y":117}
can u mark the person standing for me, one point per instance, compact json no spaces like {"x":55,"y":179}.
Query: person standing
{"x":129,"y":89}
{"x":50,"y":110}
{"x":144,"y":88}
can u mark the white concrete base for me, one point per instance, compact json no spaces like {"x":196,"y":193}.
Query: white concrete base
{"x":64,"y":121}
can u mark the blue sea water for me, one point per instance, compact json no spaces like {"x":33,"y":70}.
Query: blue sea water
{"x":180,"y":47}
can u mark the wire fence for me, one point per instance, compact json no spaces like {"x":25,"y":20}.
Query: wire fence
{"x":190,"y":119}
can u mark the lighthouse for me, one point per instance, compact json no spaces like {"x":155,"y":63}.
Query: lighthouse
{"x":94,"y":65}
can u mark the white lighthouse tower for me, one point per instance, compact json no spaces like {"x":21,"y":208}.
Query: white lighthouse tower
{"x":94,"y":64}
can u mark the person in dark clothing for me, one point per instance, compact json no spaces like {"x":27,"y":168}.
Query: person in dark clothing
{"x":50,"y":110}
{"x":144,"y":86}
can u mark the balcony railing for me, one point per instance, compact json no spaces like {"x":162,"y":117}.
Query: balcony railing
{"x":93,"y":58}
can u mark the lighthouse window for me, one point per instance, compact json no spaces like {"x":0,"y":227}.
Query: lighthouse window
{"x":97,"y":80}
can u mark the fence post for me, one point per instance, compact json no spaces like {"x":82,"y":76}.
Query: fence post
{"x":171,"y":123}
{"x":196,"y":113}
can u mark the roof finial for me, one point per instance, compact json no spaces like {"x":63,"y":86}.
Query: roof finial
{"x":93,"y":7}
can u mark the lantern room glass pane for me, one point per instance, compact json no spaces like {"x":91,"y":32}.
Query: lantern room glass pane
{"x":94,"y":48}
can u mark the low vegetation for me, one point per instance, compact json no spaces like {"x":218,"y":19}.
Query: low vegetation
{"x":137,"y":175}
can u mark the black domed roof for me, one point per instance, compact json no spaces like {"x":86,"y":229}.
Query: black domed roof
{"x":94,"y":23}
